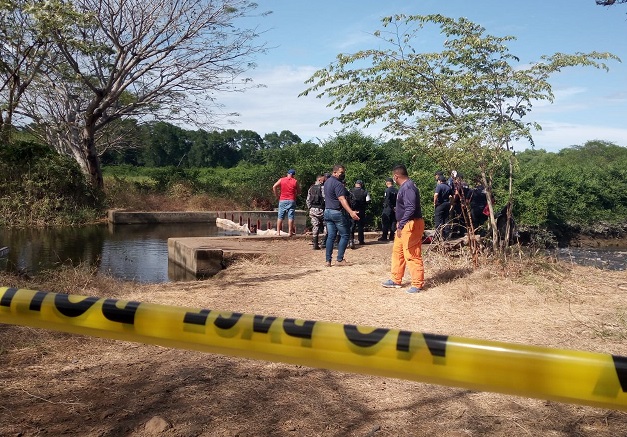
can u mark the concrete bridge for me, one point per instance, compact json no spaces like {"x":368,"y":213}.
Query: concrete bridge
{"x":206,"y":256}
{"x":260,"y":219}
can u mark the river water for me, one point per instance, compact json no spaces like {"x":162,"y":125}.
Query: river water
{"x":130,"y":252}
{"x":140,"y":252}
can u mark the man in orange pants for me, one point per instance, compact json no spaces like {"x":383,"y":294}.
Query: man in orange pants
{"x":407,"y":250}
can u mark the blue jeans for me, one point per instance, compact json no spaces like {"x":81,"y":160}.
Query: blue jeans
{"x":287,"y":206}
{"x":336,"y":224}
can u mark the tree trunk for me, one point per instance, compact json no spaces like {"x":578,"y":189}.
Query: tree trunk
{"x":510,"y":202}
{"x":92,"y":161}
{"x":492,"y":218}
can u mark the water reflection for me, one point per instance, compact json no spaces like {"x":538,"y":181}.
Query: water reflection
{"x":129,"y":252}
{"x":140,"y":252}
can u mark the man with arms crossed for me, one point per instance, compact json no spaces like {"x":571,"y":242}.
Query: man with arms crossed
{"x":407,"y":249}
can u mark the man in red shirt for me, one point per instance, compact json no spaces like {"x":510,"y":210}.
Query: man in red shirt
{"x":289,"y":188}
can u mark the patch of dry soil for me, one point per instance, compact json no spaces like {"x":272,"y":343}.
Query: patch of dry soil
{"x":61,"y":384}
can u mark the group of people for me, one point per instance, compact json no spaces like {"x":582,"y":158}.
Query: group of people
{"x":342,"y":212}
{"x":449,"y":196}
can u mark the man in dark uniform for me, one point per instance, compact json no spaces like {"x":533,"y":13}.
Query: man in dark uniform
{"x":360,"y":198}
{"x":388,"y":217}
{"x":441,"y":202}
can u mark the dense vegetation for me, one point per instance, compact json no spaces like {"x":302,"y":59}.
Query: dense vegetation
{"x":579,"y":189}
{"x":40,"y":187}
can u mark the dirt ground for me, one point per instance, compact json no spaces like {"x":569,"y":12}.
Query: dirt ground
{"x":60,"y":384}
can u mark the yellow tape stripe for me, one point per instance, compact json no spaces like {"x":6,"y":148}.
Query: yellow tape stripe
{"x":564,"y":375}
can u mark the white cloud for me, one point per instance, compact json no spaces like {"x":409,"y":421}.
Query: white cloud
{"x":558,"y":135}
{"x":277,"y":107}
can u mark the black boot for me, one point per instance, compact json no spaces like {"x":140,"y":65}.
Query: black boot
{"x":315,"y":243}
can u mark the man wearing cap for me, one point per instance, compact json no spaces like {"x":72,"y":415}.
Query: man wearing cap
{"x":360,"y":198}
{"x":388,"y":217}
{"x":289,"y":188}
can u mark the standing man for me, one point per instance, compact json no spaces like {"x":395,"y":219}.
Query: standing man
{"x":336,"y":208}
{"x":441,"y":203}
{"x":407,"y":249}
{"x":388,"y":217}
{"x":360,"y":198}
{"x":315,"y":203}
{"x":289,"y":188}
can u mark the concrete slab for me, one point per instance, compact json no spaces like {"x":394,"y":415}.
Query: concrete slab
{"x":206,"y":256}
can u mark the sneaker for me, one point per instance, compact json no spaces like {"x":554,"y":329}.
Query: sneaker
{"x":342,"y":263}
{"x":390,"y":284}
{"x":328,"y":264}
{"x":412,"y":290}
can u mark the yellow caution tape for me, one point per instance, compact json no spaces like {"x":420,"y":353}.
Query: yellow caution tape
{"x":563,"y":375}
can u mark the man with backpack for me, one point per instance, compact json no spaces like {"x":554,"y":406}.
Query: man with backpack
{"x":315,"y":203}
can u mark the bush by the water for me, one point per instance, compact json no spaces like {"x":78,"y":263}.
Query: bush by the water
{"x":40,"y":187}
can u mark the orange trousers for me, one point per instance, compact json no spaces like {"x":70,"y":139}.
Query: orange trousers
{"x":407,"y":251}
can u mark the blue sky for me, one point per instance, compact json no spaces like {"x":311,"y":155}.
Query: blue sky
{"x":305,"y":36}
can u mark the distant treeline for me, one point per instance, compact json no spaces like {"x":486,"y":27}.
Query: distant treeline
{"x":577,"y":189}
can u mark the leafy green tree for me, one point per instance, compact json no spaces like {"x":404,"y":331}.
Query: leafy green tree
{"x":467,"y":101}
{"x":167,"y":145}
{"x":573,"y":189}
{"x":24,"y":54}
{"x":143,"y":58}
{"x":278,"y":141}
{"x":249,"y":144}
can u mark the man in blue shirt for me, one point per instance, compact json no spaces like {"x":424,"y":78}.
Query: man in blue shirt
{"x":407,"y":249}
{"x":336,"y":207}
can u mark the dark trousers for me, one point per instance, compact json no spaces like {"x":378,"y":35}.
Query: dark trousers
{"x":478,"y":217}
{"x":388,"y":223}
{"x":359,"y":226}
{"x":441,"y":217}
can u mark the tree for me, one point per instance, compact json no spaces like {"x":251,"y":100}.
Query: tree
{"x":278,"y":141}
{"x":610,"y":2}
{"x":167,"y":145}
{"x":466,"y":102}
{"x":142,"y":59}
{"x":23,"y":52}
{"x":249,"y":144}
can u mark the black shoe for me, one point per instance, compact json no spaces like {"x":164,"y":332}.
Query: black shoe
{"x":382,"y":239}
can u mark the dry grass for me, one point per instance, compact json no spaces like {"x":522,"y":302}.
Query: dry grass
{"x":87,"y":386}
{"x":180,"y":197}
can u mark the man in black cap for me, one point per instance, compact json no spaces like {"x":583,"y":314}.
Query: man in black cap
{"x":388,"y":216}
